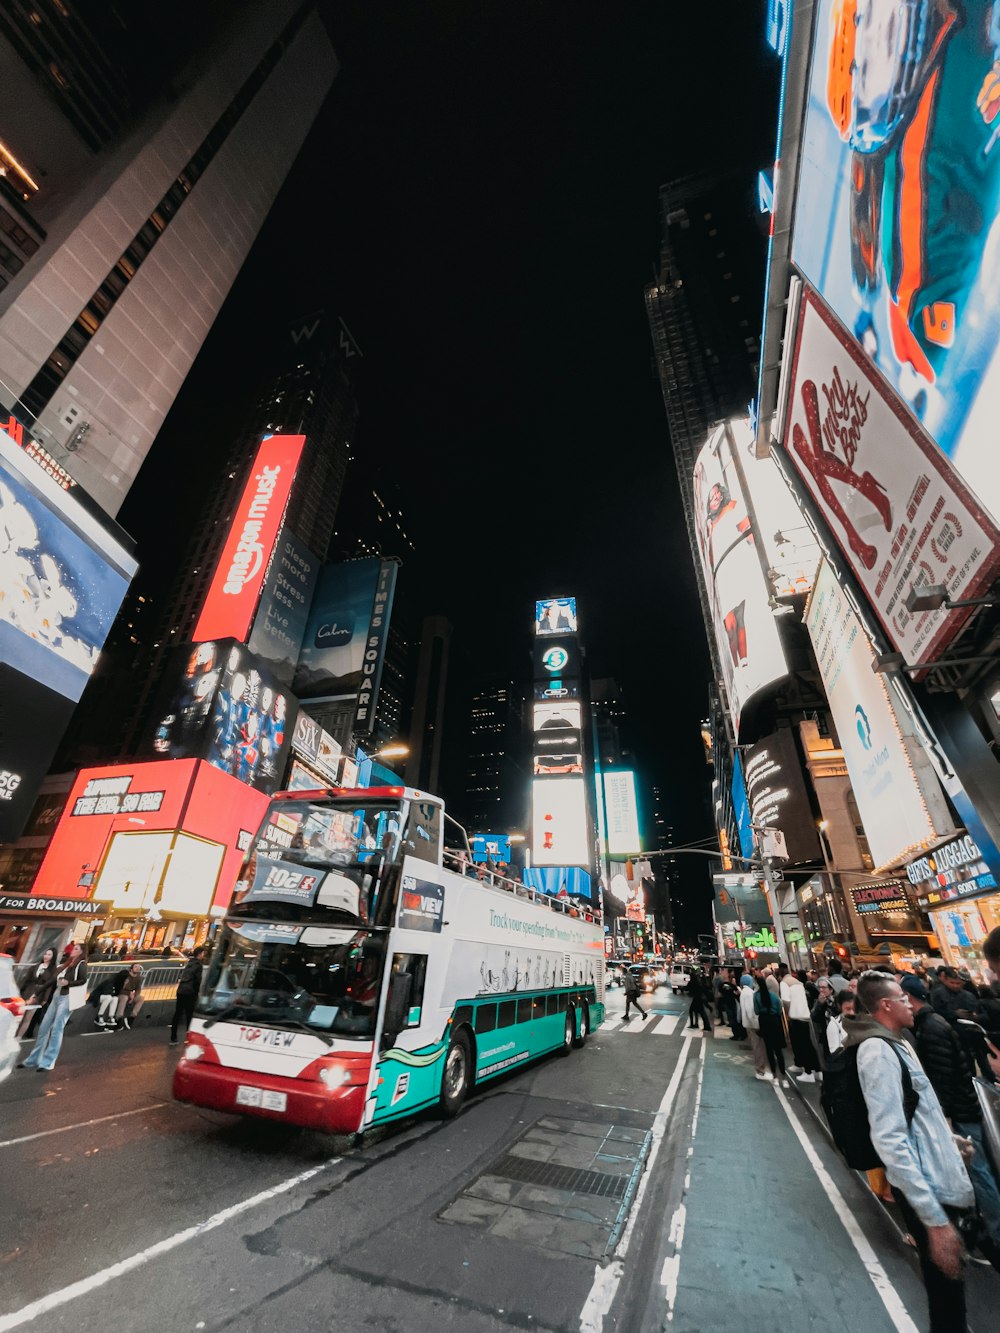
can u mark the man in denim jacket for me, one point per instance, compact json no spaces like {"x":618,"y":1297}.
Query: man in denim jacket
{"x":922,"y":1160}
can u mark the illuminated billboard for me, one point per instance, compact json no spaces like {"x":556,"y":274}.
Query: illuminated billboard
{"x":280,"y":623}
{"x":556,"y":668}
{"x":556,"y":615}
{"x":899,"y":798}
{"x":169,"y":835}
{"x":898,"y":512}
{"x":895,"y":221}
{"x":749,"y":648}
{"x":559,"y":822}
{"x":622,"y":813}
{"x":777,"y":797}
{"x":227,"y":709}
{"x":32,"y":721}
{"x":62,"y":577}
{"x":233,"y":595}
{"x":344,"y":646}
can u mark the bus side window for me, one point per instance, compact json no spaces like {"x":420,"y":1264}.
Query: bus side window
{"x":405,"y":1000}
{"x":486,"y":1018}
{"x":505,"y":1014}
{"x":524,"y":1009}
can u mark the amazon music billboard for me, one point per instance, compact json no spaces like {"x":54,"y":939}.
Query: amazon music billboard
{"x":233,"y":595}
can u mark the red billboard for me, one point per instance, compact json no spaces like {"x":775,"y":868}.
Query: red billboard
{"x":231,"y":600}
{"x":168,"y":835}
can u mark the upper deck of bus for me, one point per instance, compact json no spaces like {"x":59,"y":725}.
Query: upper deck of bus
{"x":450,"y":860}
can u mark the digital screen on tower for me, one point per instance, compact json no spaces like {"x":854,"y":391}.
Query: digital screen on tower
{"x":232,"y":597}
{"x":556,"y":615}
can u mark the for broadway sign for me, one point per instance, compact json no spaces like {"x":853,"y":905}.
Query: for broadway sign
{"x":18,"y":902}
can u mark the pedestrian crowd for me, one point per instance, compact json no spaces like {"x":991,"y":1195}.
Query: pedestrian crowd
{"x":908,"y":1067}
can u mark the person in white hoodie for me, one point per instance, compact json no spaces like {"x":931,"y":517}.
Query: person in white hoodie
{"x":796,"y":1005}
{"x":752,"y":1025}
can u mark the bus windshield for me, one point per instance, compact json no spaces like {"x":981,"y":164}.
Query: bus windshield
{"x":319,"y":861}
{"x":321,"y":978}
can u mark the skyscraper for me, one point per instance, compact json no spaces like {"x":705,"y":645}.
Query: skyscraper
{"x":136,"y":177}
{"x":423,"y":767}
{"x":496,"y":776}
{"x":312,"y":395}
{"x":704,"y":317}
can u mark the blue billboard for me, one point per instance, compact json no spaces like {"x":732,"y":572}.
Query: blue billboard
{"x":897,"y":206}
{"x":741,"y":808}
{"x":62,"y":577}
{"x":333,"y":650}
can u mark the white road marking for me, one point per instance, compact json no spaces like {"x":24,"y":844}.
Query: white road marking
{"x":888,"y":1294}
{"x":611,"y":1024}
{"x":671,"y":1270}
{"x":100,"y":1279}
{"x":667,"y":1025}
{"x":634,"y":1024}
{"x":81,"y":1124}
{"x":608,"y":1279}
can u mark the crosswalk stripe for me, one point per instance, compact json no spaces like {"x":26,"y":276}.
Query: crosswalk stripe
{"x":611,"y":1024}
{"x":667,"y":1025}
{"x":635,"y":1024}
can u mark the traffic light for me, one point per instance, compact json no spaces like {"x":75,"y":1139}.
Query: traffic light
{"x":751,"y":953}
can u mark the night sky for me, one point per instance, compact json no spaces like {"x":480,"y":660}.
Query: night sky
{"x":478,"y":201}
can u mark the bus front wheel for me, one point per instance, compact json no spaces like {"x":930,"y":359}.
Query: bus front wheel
{"x":456,"y":1077}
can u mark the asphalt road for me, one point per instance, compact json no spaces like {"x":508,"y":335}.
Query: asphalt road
{"x":645,"y":1181}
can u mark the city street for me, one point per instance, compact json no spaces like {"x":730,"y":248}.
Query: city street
{"x":646,"y":1179}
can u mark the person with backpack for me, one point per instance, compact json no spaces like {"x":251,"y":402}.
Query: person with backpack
{"x":767,"y":1007}
{"x":909,"y":1135}
{"x":632,"y":992}
{"x":751,"y":1024}
{"x":944,"y":1057}
{"x":699,"y":989}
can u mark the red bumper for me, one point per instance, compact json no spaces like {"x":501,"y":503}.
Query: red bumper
{"x":310,"y":1102}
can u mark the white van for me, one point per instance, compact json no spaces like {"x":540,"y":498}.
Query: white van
{"x":678,"y":978}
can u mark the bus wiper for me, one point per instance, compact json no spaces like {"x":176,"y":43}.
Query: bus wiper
{"x":225,"y":1013}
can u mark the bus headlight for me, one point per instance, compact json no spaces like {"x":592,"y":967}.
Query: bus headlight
{"x":334,"y":1076}
{"x":192,"y":1052}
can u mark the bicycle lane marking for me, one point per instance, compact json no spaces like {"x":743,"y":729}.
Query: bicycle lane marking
{"x":881,"y":1281}
{"x":607,"y":1278}
{"x":86,"y":1285}
{"x":82,"y":1124}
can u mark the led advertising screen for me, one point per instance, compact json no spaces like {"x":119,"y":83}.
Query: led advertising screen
{"x":493,"y":847}
{"x":898,"y":794}
{"x":895,"y":221}
{"x":556,"y":668}
{"x":556,"y":615}
{"x":32,"y":721}
{"x":227,"y":709}
{"x":748,"y":644}
{"x":558,"y":743}
{"x":559,"y":822}
{"x":896,"y":509}
{"x":119,"y":834}
{"x":741,"y":808}
{"x":622,"y":813}
{"x":62,"y":577}
{"x":333,"y":651}
{"x":280,"y":623}
{"x":777,"y":796}
{"x":232,"y":597}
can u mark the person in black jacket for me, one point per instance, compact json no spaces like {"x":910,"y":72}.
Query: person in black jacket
{"x":187,"y":993}
{"x":699,"y":989}
{"x":943,"y":1057}
{"x":952,"y":998}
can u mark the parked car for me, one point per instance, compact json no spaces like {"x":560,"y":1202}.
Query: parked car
{"x":11,"y":1013}
{"x":679,"y":978}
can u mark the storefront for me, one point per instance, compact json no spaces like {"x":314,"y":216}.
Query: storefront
{"x":30,"y":924}
{"x":959,"y":891}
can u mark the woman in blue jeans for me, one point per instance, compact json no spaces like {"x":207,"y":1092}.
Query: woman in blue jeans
{"x":71,"y":973}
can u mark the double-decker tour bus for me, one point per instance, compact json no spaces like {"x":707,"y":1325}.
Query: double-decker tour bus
{"x":364,"y":973}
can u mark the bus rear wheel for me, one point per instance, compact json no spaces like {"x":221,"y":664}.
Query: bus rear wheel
{"x":584,"y":1027}
{"x":456,"y":1076}
{"x":569,"y":1033}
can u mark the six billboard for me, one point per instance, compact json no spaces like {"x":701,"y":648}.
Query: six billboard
{"x":223,"y":706}
{"x":896,"y":509}
{"x":233,"y":595}
{"x":899,"y":798}
{"x":750,"y":650}
{"x":896,"y":213}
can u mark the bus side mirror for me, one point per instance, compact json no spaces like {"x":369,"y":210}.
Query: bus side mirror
{"x":398,"y":1007}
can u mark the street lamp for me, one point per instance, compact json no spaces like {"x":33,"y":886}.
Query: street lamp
{"x":392,"y":751}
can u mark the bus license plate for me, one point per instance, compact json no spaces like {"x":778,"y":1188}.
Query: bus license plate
{"x":267,"y":1101}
